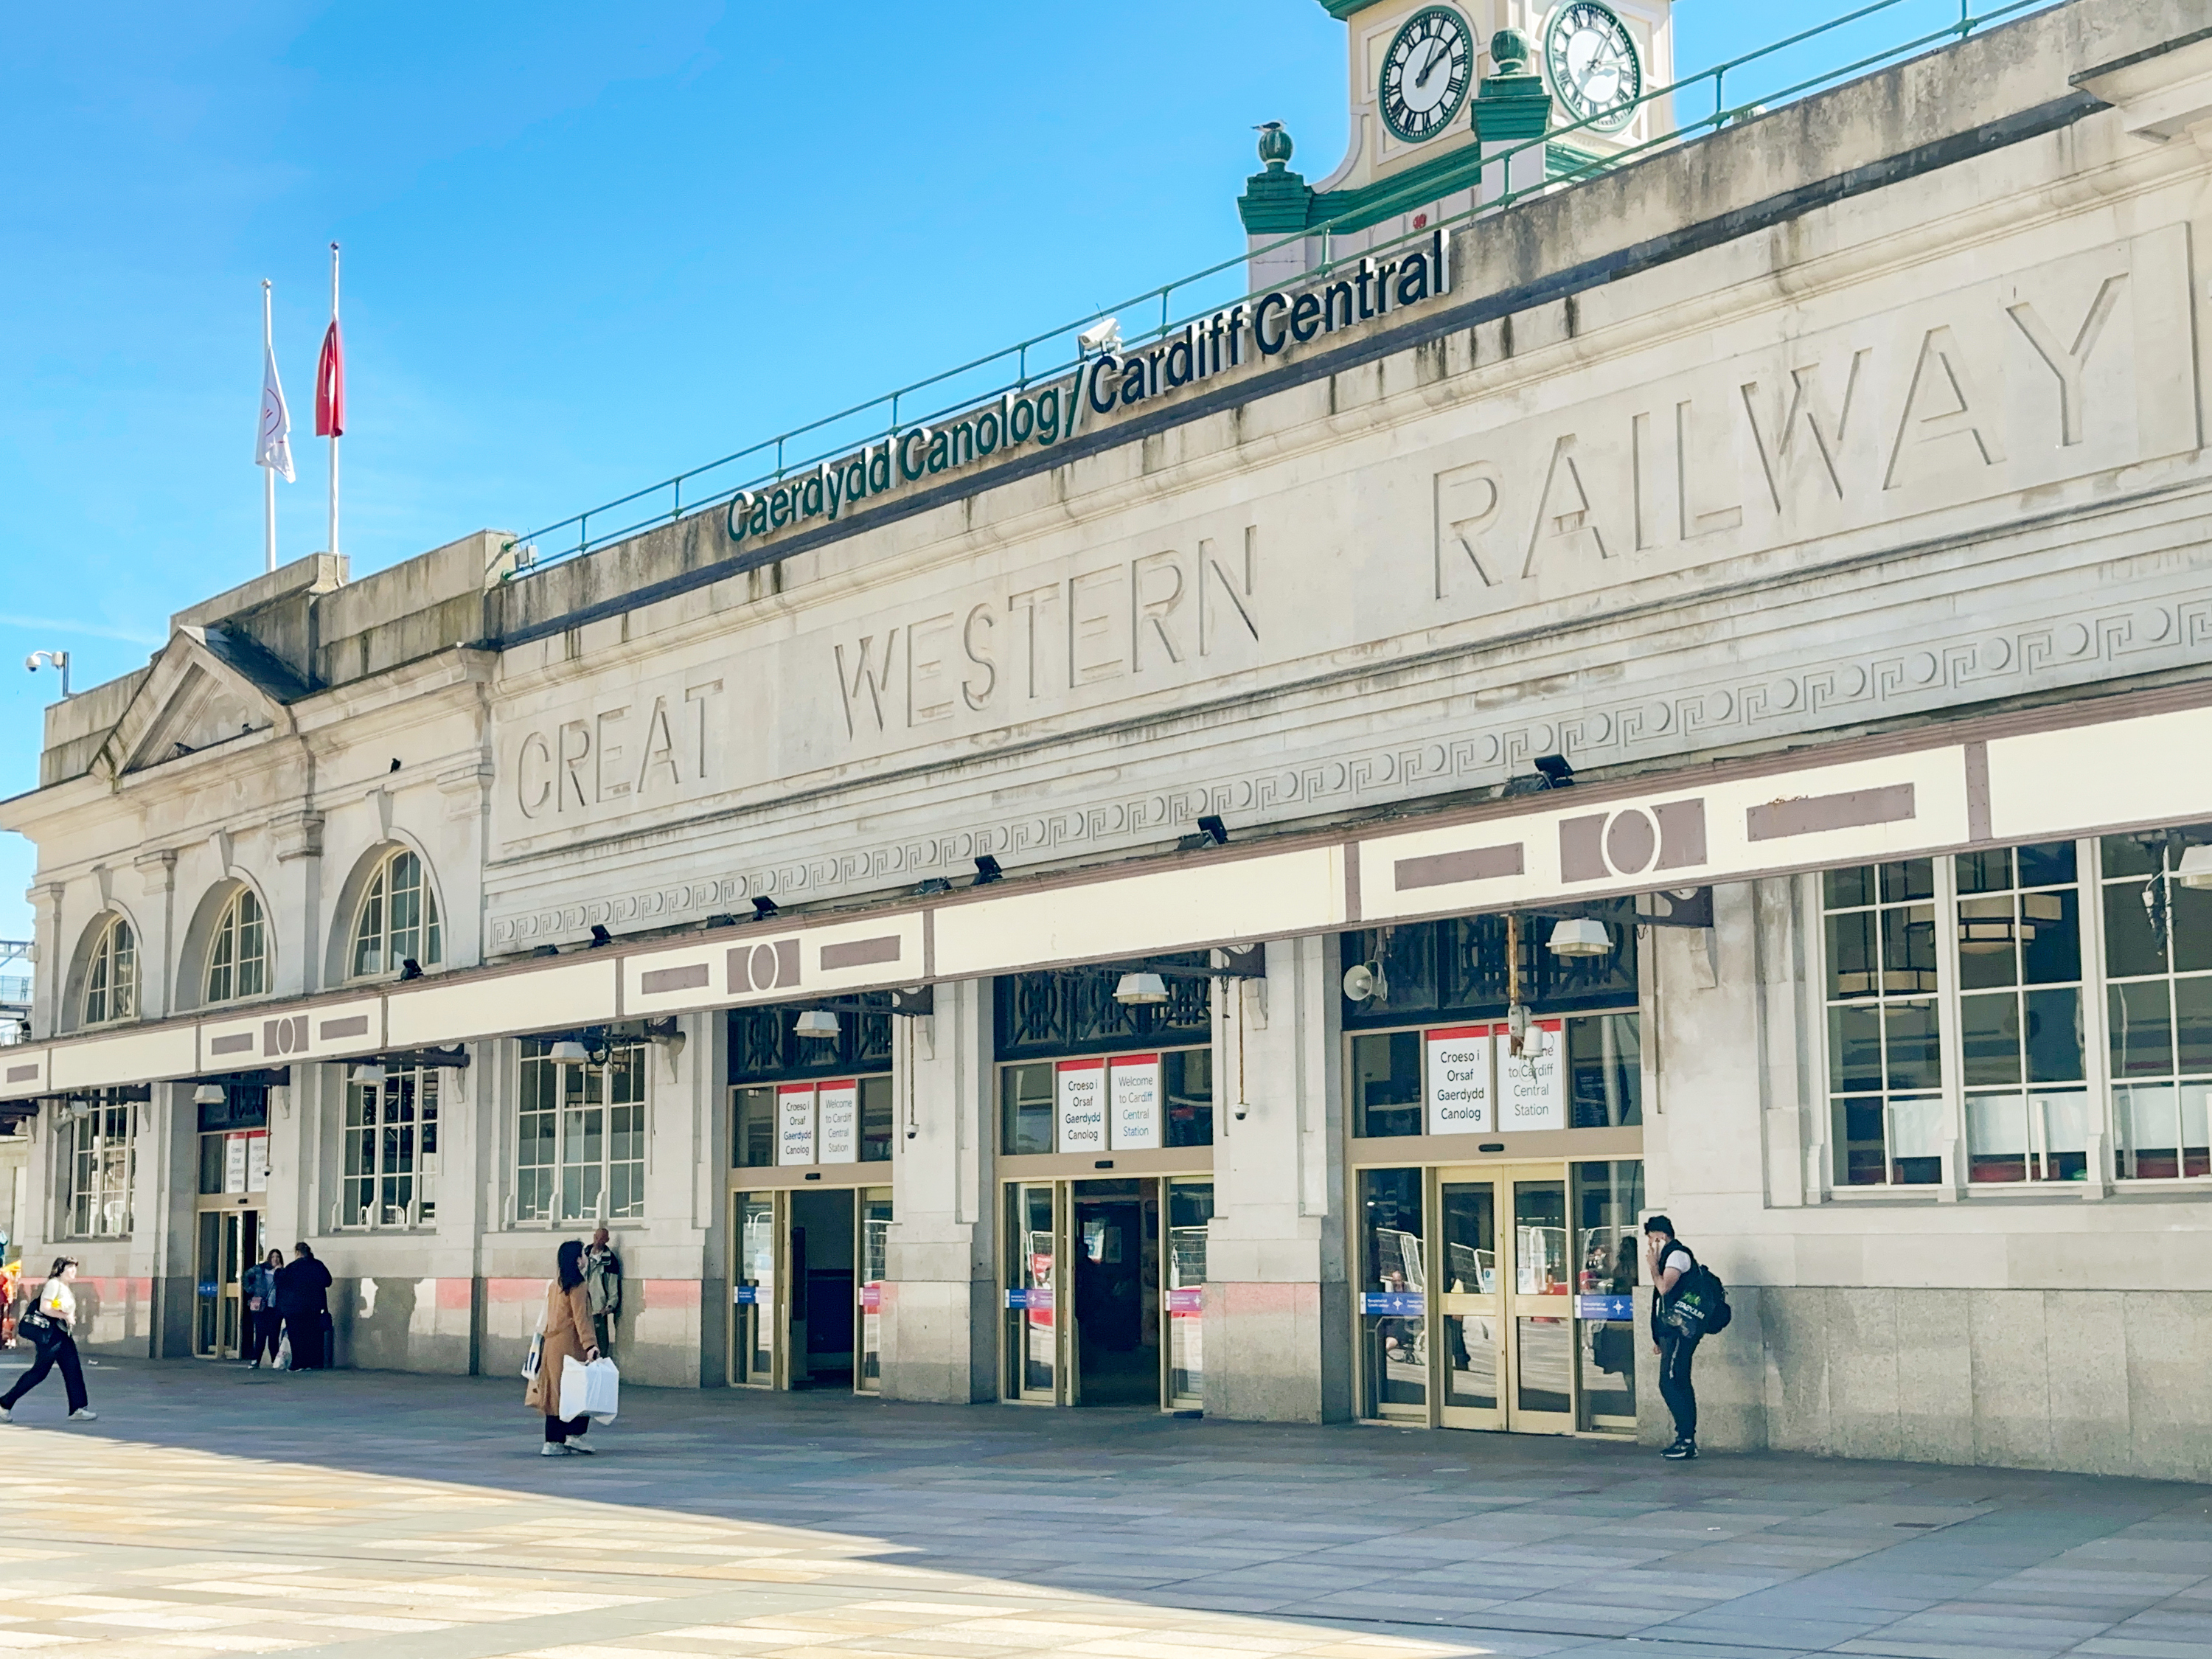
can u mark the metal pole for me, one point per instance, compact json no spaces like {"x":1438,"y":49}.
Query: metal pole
{"x":268,"y":473}
{"x":334,"y":436}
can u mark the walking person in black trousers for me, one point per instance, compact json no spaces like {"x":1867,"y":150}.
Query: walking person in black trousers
{"x":264,"y":1324}
{"x":303,"y":1288}
{"x":48,"y":1322}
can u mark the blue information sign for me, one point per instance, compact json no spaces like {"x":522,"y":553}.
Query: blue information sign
{"x":1605,"y":1307}
{"x":1407,"y":1303}
{"x":748,"y":1296}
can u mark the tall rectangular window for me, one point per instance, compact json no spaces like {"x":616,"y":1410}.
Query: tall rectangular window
{"x":2158,"y":970}
{"x":390,"y":1178}
{"x":102,"y":1152}
{"x":1885,"y":1057}
{"x":579,"y":1142}
{"x":2022,"y":1057}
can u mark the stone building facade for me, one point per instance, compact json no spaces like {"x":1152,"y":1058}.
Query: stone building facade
{"x":1747,"y":611}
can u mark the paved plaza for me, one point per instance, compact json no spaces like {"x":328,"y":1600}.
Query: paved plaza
{"x":214,"y":1510}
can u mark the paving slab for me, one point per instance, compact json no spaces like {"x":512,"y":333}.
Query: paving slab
{"x":376,"y":1515}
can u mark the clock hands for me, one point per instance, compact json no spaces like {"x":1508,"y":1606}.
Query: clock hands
{"x":1435,"y":57}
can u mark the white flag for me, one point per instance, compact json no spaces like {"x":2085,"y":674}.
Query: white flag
{"x":273,"y":448}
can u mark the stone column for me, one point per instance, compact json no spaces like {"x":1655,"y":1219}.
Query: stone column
{"x":1277,"y":1321}
{"x":939,"y":1326}
{"x":50,"y":981}
{"x":159,"y":969}
{"x":297,"y":900}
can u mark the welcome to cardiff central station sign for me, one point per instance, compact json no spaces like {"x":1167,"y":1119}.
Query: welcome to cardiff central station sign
{"x":1251,"y":330}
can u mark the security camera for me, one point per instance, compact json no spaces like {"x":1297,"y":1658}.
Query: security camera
{"x":1102,"y":337}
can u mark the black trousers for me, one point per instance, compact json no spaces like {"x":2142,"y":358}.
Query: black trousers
{"x":58,"y":1349}
{"x":558,"y":1432}
{"x":262,"y":1329}
{"x":306,"y":1330}
{"x":1675,"y":1352}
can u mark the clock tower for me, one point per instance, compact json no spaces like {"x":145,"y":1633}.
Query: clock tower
{"x":1430,"y":96}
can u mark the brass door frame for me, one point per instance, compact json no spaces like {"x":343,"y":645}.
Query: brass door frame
{"x":778,"y":1304}
{"x":230,"y":1211}
{"x":1507,"y":1305}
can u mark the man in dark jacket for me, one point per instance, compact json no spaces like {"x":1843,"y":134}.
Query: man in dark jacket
{"x":1666,"y":1262}
{"x":303,"y":1286}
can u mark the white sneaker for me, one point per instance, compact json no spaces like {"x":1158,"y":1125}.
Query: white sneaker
{"x":6,"y":1416}
{"x":579,"y":1446}
{"x":549,"y":1449}
{"x":84,"y":1414}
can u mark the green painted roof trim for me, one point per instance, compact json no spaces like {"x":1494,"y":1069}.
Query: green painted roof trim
{"x":1341,"y":9}
{"x":1273,"y":205}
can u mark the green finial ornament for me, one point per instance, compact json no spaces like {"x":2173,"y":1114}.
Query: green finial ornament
{"x":1275,"y":146}
{"x":1509,"y":52}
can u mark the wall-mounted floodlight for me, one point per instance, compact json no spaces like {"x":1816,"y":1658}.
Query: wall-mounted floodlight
{"x":409,"y":968}
{"x":369,"y":1074}
{"x":1555,"y":769}
{"x":1581,"y":936}
{"x":986,"y":870}
{"x":819,"y":1024}
{"x":569,"y":1052}
{"x":763,"y":907}
{"x":1212,"y":826}
{"x":600,"y":936}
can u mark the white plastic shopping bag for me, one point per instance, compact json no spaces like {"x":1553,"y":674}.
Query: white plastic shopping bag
{"x":572,"y":1387}
{"x":602,"y":1390}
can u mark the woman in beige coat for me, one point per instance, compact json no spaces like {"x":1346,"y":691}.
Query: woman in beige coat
{"x":568,"y":1331}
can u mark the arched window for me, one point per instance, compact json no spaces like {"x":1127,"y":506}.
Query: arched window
{"x":238,"y":954}
{"x":398,"y":918}
{"x":111,"y":975}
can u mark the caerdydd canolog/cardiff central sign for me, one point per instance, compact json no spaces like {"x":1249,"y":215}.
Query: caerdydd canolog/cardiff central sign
{"x":1250,"y":330}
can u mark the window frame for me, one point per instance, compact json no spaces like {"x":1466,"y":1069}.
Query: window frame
{"x":2103,"y":1158}
{"x":95,"y":1147}
{"x":626,"y":1059}
{"x":424,"y":1088}
{"x":428,"y":926}
{"x":1354,"y":1112}
{"x":113,"y":988}
{"x":223,"y":952}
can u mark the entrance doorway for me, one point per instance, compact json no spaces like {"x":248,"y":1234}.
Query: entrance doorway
{"x":808,"y":1287}
{"x":230,"y":1244}
{"x":1104,"y":1285}
{"x":1501,"y":1296}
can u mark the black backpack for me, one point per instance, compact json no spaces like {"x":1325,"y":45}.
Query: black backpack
{"x":1700,"y":1305}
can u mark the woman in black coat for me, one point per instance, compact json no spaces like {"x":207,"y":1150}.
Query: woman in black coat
{"x":303,"y":1286}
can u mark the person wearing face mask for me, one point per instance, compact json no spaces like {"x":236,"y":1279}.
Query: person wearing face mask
{"x":47,"y":1323}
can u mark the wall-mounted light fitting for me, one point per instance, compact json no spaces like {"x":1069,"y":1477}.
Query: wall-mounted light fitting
{"x":1581,"y":936}
{"x":818,"y":1024}
{"x":763,"y":907}
{"x":1141,"y":991}
{"x":600,"y":936}
{"x":409,"y":968}
{"x":211,"y":1094}
{"x":369,"y":1074}
{"x":986,"y":870}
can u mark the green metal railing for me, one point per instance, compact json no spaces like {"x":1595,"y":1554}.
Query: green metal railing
{"x":778,"y":456}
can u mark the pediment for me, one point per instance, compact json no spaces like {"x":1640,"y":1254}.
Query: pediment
{"x":206,"y":690}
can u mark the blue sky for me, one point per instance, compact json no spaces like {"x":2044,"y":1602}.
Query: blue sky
{"x":585,"y":246}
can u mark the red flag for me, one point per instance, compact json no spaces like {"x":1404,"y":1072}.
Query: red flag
{"x":330,"y":385}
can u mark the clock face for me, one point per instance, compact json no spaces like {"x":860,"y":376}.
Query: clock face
{"x":1590,"y":59}
{"x":1426,"y":74}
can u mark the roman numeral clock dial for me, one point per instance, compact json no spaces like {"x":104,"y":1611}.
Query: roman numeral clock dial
{"x":1426,"y":74}
{"x":1590,"y":57}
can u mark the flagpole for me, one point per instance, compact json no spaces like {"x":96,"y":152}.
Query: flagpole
{"x":334,"y":436}
{"x":268,"y":473}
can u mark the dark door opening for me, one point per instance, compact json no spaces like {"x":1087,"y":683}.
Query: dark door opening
{"x":821,"y":1289}
{"x":1117,"y":1292}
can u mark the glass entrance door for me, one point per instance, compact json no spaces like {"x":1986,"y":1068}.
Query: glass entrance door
{"x":1487,"y":1304}
{"x":874,"y":1255}
{"x":1036,"y":1218}
{"x":229,"y":1242}
{"x":806,"y":1287}
{"x":760,"y":1303}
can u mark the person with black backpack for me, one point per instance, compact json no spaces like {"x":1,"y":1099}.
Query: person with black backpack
{"x":1687,"y":1305}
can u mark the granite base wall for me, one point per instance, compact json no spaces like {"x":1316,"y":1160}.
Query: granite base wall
{"x":2092,"y":1383}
